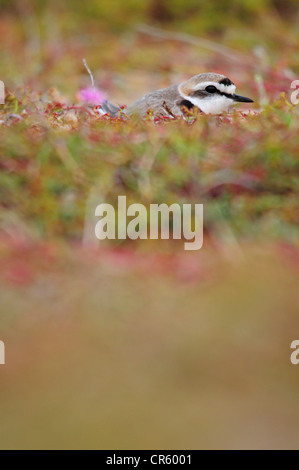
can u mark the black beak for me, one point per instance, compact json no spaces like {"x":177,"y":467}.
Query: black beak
{"x":242,"y":99}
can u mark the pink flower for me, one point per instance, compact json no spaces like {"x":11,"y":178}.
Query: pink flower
{"x":91,"y":95}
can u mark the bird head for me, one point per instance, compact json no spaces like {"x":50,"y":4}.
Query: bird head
{"x":211,"y":93}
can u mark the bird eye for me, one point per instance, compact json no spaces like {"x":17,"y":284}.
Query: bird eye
{"x":211,"y":89}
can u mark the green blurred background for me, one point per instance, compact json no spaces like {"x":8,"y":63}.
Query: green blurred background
{"x":141,"y":345}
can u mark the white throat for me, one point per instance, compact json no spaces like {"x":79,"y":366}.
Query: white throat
{"x":215,"y":104}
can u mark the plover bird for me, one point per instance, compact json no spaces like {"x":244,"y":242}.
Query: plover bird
{"x":211,"y":93}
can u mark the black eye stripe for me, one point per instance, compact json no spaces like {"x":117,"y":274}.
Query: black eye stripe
{"x":203,"y":93}
{"x":228,"y":95}
{"x":211,"y":89}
